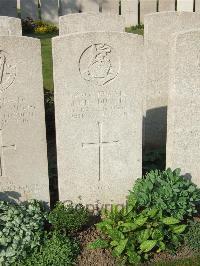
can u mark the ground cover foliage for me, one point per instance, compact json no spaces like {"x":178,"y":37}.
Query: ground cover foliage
{"x":156,"y":217}
{"x":145,"y":226}
{"x":27,"y":236}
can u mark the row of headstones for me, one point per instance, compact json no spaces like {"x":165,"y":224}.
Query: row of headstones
{"x":132,"y":10}
{"x":104,"y":80}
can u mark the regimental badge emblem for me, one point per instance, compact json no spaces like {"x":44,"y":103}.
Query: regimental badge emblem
{"x":7,"y":71}
{"x":99,"y":64}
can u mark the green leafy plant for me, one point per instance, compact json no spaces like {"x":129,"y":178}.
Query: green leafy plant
{"x":21,"y":230}
{"x":133,"y":236}
{"x":68,"y":218}
{"x":192,"y":237}
{"x":57,"y":250}
{"x":167,"y":191}
{"x":43,"y":27}
{"x":38,"y":26}
{"x":138,"y":29}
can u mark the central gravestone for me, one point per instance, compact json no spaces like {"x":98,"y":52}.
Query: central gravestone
{"x":98,"y":115}
{"x":23,"y":154}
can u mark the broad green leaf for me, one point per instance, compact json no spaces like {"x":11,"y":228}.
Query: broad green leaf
{"x":141,"y":221}
{"x":107,"y":224}
{"x":127,"y":227}
{"x":177,"y":172}
{"x":144,"y":235}
{"x":128,"y":209}
{"x":148,"y":245}
{"x":133,"y":257}
{"x":115,"y":234}
{"x":170,"y":221}
{"x":178,"y":229}
{"x":152,"y":213}
{"x":161,"y":245}
{"x":157,"y":234}
{"x":132,"y":200}
{"x":99,"y":243}
{"x":114,"y":243}
{"x":120,"y":247}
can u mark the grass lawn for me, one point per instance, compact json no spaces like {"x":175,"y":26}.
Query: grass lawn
{"x":47,"y":64}
{"x":193,"y":261}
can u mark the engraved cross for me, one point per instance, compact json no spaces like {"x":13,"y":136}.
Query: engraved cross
{"x":2,"y":149}
{"x":100,"y":144}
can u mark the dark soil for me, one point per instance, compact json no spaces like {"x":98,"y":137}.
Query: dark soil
{"x":90,"y":257}
{"x":182,"y":253}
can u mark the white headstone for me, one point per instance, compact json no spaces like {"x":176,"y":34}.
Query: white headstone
{"x":8,"y":8}
{"x":197,"y":5}
{"x":183,"y":133}
{"x":10,"y":26}
{"x":157,"y":44}
{"x":110,"y":7}
{"x":29,"y":8}
{"x":147,"y":7}
{"x":129,"y":10}
{"x":90,"y":6}
{"x":98,"y":115}
{"x":185,"y":5}
{"x":49,"y":11}
{"x":166,"y":5}
{"x":23,"y":152}
{"x":84,"y":22}
{"x":69,"y":6}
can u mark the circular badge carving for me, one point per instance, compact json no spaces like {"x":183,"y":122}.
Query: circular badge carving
{"x":99,"y":64}
{"x":7,"y":71}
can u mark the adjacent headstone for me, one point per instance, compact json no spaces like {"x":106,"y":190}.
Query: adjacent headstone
{"x":23,"y":153}
{"x":166,"y":5}
{"x":157,"y":44}
{"x":49,"y":11}
{"x":147,"y":7}
{"x":84,"y":22}
{"x":29,"y":8}
{"x":90,"y":6}
{"x":185,"y":5}
{"x":183,"y":133}
{"x":8,"y":8}
{"x":98,"y":95}
{"x":110,"y":7}
{"x":197,"y":5}
{"x":129,"y":10}
{"x":69,"y":6}
{"x":10,"y":26}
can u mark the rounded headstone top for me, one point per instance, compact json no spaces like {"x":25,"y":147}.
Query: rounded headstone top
{"x":167,"y":23}
{"x":10,"y":26}
{"x":84,"y":22}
